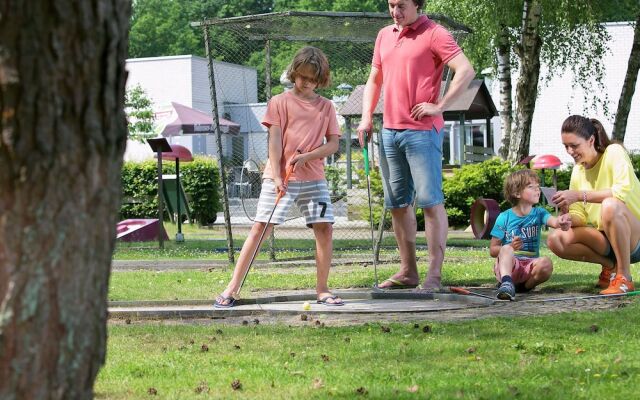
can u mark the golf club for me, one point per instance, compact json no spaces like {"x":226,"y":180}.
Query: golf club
{"x":365,"y":156}
{"x":287,"y":175}
{"x":587,"y":297}
{"x":460,"y":290}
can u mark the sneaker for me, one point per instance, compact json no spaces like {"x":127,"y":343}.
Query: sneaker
{"x":619,"y":285}
{"x":605,"y":278}
{"x":506,"y":291}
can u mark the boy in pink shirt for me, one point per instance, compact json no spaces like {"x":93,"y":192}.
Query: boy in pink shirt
{"x":411,"y":55}
{"x":303,"y":130}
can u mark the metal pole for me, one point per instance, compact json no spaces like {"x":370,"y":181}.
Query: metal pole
{"x":347,"y":128}
{"x":267,"y":92}
{"x":179,"y":235}
{"x":160,"y":203}
{"x":462,"y":139}
{"x":216,"y":123}
{"x":267,"y":69}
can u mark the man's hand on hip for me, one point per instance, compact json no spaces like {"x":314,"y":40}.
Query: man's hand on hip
{"x":422,"y":110}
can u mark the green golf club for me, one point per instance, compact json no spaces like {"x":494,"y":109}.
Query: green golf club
{"x":365,"y":156}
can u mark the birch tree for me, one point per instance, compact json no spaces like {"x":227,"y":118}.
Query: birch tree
{"x":517,"y":36}
{"x":63,"y":132}
{"x":629,"y":86}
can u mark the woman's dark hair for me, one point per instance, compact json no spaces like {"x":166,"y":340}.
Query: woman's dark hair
{"x":585,"y":128}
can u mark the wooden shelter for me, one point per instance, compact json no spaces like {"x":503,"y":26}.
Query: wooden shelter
{"x":473,"y":104}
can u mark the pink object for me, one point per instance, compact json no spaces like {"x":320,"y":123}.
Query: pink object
{"x":412,"y":62}
{"x":177,"y":151}
{"x":139,"y":230}
{"x":183,"y":120}
{"x":546,"y":161}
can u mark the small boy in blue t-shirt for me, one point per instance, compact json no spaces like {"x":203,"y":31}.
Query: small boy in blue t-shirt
{"x":515,"y":237}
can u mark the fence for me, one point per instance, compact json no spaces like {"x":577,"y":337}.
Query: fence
{"x":251,"y":53}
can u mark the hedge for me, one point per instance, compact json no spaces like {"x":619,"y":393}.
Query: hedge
{"x":199,"y":179}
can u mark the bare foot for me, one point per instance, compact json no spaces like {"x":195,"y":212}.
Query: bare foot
{"x":433,"y":284}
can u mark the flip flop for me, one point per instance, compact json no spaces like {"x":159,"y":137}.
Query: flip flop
{"x":221,"y":300}
{"x":324,"y":301}
{"x":396,"y":284}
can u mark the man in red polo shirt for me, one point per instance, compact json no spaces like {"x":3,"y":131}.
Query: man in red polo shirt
{"x":409,"y":57}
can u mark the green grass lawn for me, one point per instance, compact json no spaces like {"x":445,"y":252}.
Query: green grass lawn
{"x":211,"y":244}
{"x":582,"y":355}
{"x":563,"y":356}
{"x":464,"y":266}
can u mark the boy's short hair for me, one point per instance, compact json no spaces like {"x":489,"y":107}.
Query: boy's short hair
{"x":313,"y":57}
{"x":516,"y":182}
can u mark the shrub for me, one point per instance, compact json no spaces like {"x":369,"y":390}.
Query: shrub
{"x":199,"y":179}
{"x":635,"y":160}
{"x":201,"y":182}
{"x":470,"y":182}
{"x":337,"y":182}
{"x":377,"y":195}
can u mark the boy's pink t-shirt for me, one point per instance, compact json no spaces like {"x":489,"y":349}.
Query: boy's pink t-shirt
{"x":411,"y":62}
{"x":304,"y":126}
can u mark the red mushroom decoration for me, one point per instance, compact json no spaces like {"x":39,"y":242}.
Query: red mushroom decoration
{"x":547,"y":161}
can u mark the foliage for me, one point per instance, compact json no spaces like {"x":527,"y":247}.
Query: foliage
{"x":140,"y":118}
{"x":569,"y":37}
{"x":202,"y":182}
{"x":564,"y":175}
{"x":199,"y":179}
{"x":635,"y":161}
{"x":472,"y":181}
{"x":377,"y":195}
{"x":336,"y":179}
{"x":330,"y":5}
{"x":139,"y":190}
{"x":161,"y":27}
{"x":482,"y":180}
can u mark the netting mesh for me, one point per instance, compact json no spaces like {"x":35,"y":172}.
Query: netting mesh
{"x":251,"y":54}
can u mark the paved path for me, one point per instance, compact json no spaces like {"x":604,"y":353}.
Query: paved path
{"x":361,"y":307}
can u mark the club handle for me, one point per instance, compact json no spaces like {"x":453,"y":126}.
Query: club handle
{"x":365,"y":156}
{"x":459,"y":290}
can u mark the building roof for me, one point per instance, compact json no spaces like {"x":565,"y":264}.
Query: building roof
{"x":475,"y":103}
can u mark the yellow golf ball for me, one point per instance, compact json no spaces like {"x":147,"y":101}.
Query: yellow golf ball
{"x":306,"y":306}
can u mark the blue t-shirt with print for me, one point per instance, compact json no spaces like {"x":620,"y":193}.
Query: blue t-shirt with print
{"x":509,"y":224}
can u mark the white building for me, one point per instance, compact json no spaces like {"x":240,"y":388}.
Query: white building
{"x":185,"y":80}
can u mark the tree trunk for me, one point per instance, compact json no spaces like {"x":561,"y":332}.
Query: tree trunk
{"x":629,"y":87}
{"x":63,"y":133}
{"x":503,"y":50}
{"x":528,"y":52}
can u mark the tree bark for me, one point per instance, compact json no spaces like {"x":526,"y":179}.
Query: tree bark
{"x":528,"y":52}
{"x":503,"y":50}
{"x":628,"y":87}
{"x":62,"y":135}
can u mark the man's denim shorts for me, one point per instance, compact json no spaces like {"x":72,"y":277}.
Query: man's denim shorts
{"x":410,"y":161}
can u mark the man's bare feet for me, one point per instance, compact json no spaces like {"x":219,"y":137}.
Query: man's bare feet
{"x":398,"y":282}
